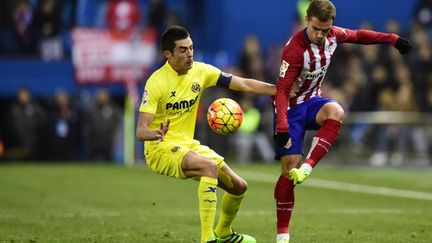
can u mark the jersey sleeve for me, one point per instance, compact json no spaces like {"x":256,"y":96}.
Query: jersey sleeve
{"x":211,"y":75}
{"x":150,"y":98}
{"x":289,"y":71}
{"x":365,"y":37}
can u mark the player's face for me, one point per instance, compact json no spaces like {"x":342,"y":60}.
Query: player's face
{"x":317,"y":31}
{"x":181,"y":59}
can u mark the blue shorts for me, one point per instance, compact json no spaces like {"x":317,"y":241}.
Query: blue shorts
{"x":300,"y":119}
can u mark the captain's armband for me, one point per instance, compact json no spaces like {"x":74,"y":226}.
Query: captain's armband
{"x":224,"y":80}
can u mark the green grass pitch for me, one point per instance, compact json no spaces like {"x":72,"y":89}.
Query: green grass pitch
{"x":103,"y":203}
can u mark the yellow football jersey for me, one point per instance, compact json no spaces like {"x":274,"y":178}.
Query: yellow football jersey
{"x":168,"y":95}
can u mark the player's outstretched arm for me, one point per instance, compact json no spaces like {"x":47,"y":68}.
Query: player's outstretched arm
{"x":143,"y":131}
{"x":252,"y":86}
{"x":367,"y":37}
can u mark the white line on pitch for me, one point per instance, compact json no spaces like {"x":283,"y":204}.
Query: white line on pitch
{"x":342,"y":186}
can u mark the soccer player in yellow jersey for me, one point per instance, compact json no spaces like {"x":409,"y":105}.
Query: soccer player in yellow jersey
{"x":167,"y":121}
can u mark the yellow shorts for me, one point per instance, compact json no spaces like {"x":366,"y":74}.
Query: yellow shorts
{"x":166,"y":157}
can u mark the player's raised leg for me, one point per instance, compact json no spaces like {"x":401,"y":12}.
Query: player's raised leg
{"x":329,"y":118}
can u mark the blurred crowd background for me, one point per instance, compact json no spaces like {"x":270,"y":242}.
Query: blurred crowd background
{"x":46,"y":115}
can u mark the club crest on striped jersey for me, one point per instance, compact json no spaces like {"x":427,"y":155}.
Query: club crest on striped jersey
{"x":283,"y":68}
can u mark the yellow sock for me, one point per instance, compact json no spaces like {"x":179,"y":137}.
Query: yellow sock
{"x":207,"y":205}
{"x":230,"y":207}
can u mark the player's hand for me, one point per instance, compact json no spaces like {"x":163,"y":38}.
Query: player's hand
{"x":282,"y":139}
{"x":294,"y":88}
{"x":163,"y":129}
{"x":403,"y":45}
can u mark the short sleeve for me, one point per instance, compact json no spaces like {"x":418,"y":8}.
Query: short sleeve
{"x":151,"y":94}
{"x":211,"y":74}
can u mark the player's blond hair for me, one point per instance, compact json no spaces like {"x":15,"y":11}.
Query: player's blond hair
{"x":323,"y":10}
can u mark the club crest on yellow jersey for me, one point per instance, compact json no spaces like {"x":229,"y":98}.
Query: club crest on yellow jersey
{"x":175,"y":149}
{"x":196,"y":87}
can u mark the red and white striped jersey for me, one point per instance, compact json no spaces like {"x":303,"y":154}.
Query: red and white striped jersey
{"x":304,"y":66}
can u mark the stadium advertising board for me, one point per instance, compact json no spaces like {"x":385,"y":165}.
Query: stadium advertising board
{"x":110,"y":56}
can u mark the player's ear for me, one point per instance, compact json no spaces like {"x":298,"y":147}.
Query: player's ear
{"x":306,"y":19}
{"x":167,"y":54}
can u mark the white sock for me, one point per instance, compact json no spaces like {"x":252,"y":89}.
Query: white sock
{"x":283,"y":236}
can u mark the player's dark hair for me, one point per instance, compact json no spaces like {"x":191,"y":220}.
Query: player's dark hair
{"x":323,"y":10}
{"x":172,"y":34}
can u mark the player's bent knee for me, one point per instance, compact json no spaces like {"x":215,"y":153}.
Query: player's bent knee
{"x":339,"y":113}
{"x":240,"y":187}
{"x":335,"y":111}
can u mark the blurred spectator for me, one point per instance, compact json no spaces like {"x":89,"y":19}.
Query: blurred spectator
{"x":6,"y":29}
{"x":386,"y":99}
{"x":272,"y":63}
{"x":393,"y":26}
{"x":366,"y":97}
{"x":157,"y":15}
{"x":429,"y":93}
{"x":26,"y":119}
{"x":22,"y":17}
{"x":102,"y":121}
{"x":419,"y":34}
{"x":249,"y":138}
{"x":355,"y":77}
{"x":394,"y":139}
{"x":250,"y":59}
{"x":423,"y":13}
{"x":62,"y":129}
{"x":47,"y":24}
{"x":421,"y":62}
{"x":406,"y":99}
{"x":370,"y":56}
{"x":172,"y":18}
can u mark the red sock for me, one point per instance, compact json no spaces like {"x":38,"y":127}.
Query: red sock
{"x":323,"y":140}
{"x":284,"y":195}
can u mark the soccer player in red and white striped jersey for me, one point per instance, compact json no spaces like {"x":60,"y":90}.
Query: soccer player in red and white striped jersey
{"x":299,"y":105}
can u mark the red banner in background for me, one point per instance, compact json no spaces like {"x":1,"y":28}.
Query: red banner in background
{"x":110,"y":56}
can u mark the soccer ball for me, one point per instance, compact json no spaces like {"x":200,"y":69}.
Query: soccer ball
{"x":224,"y":116}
